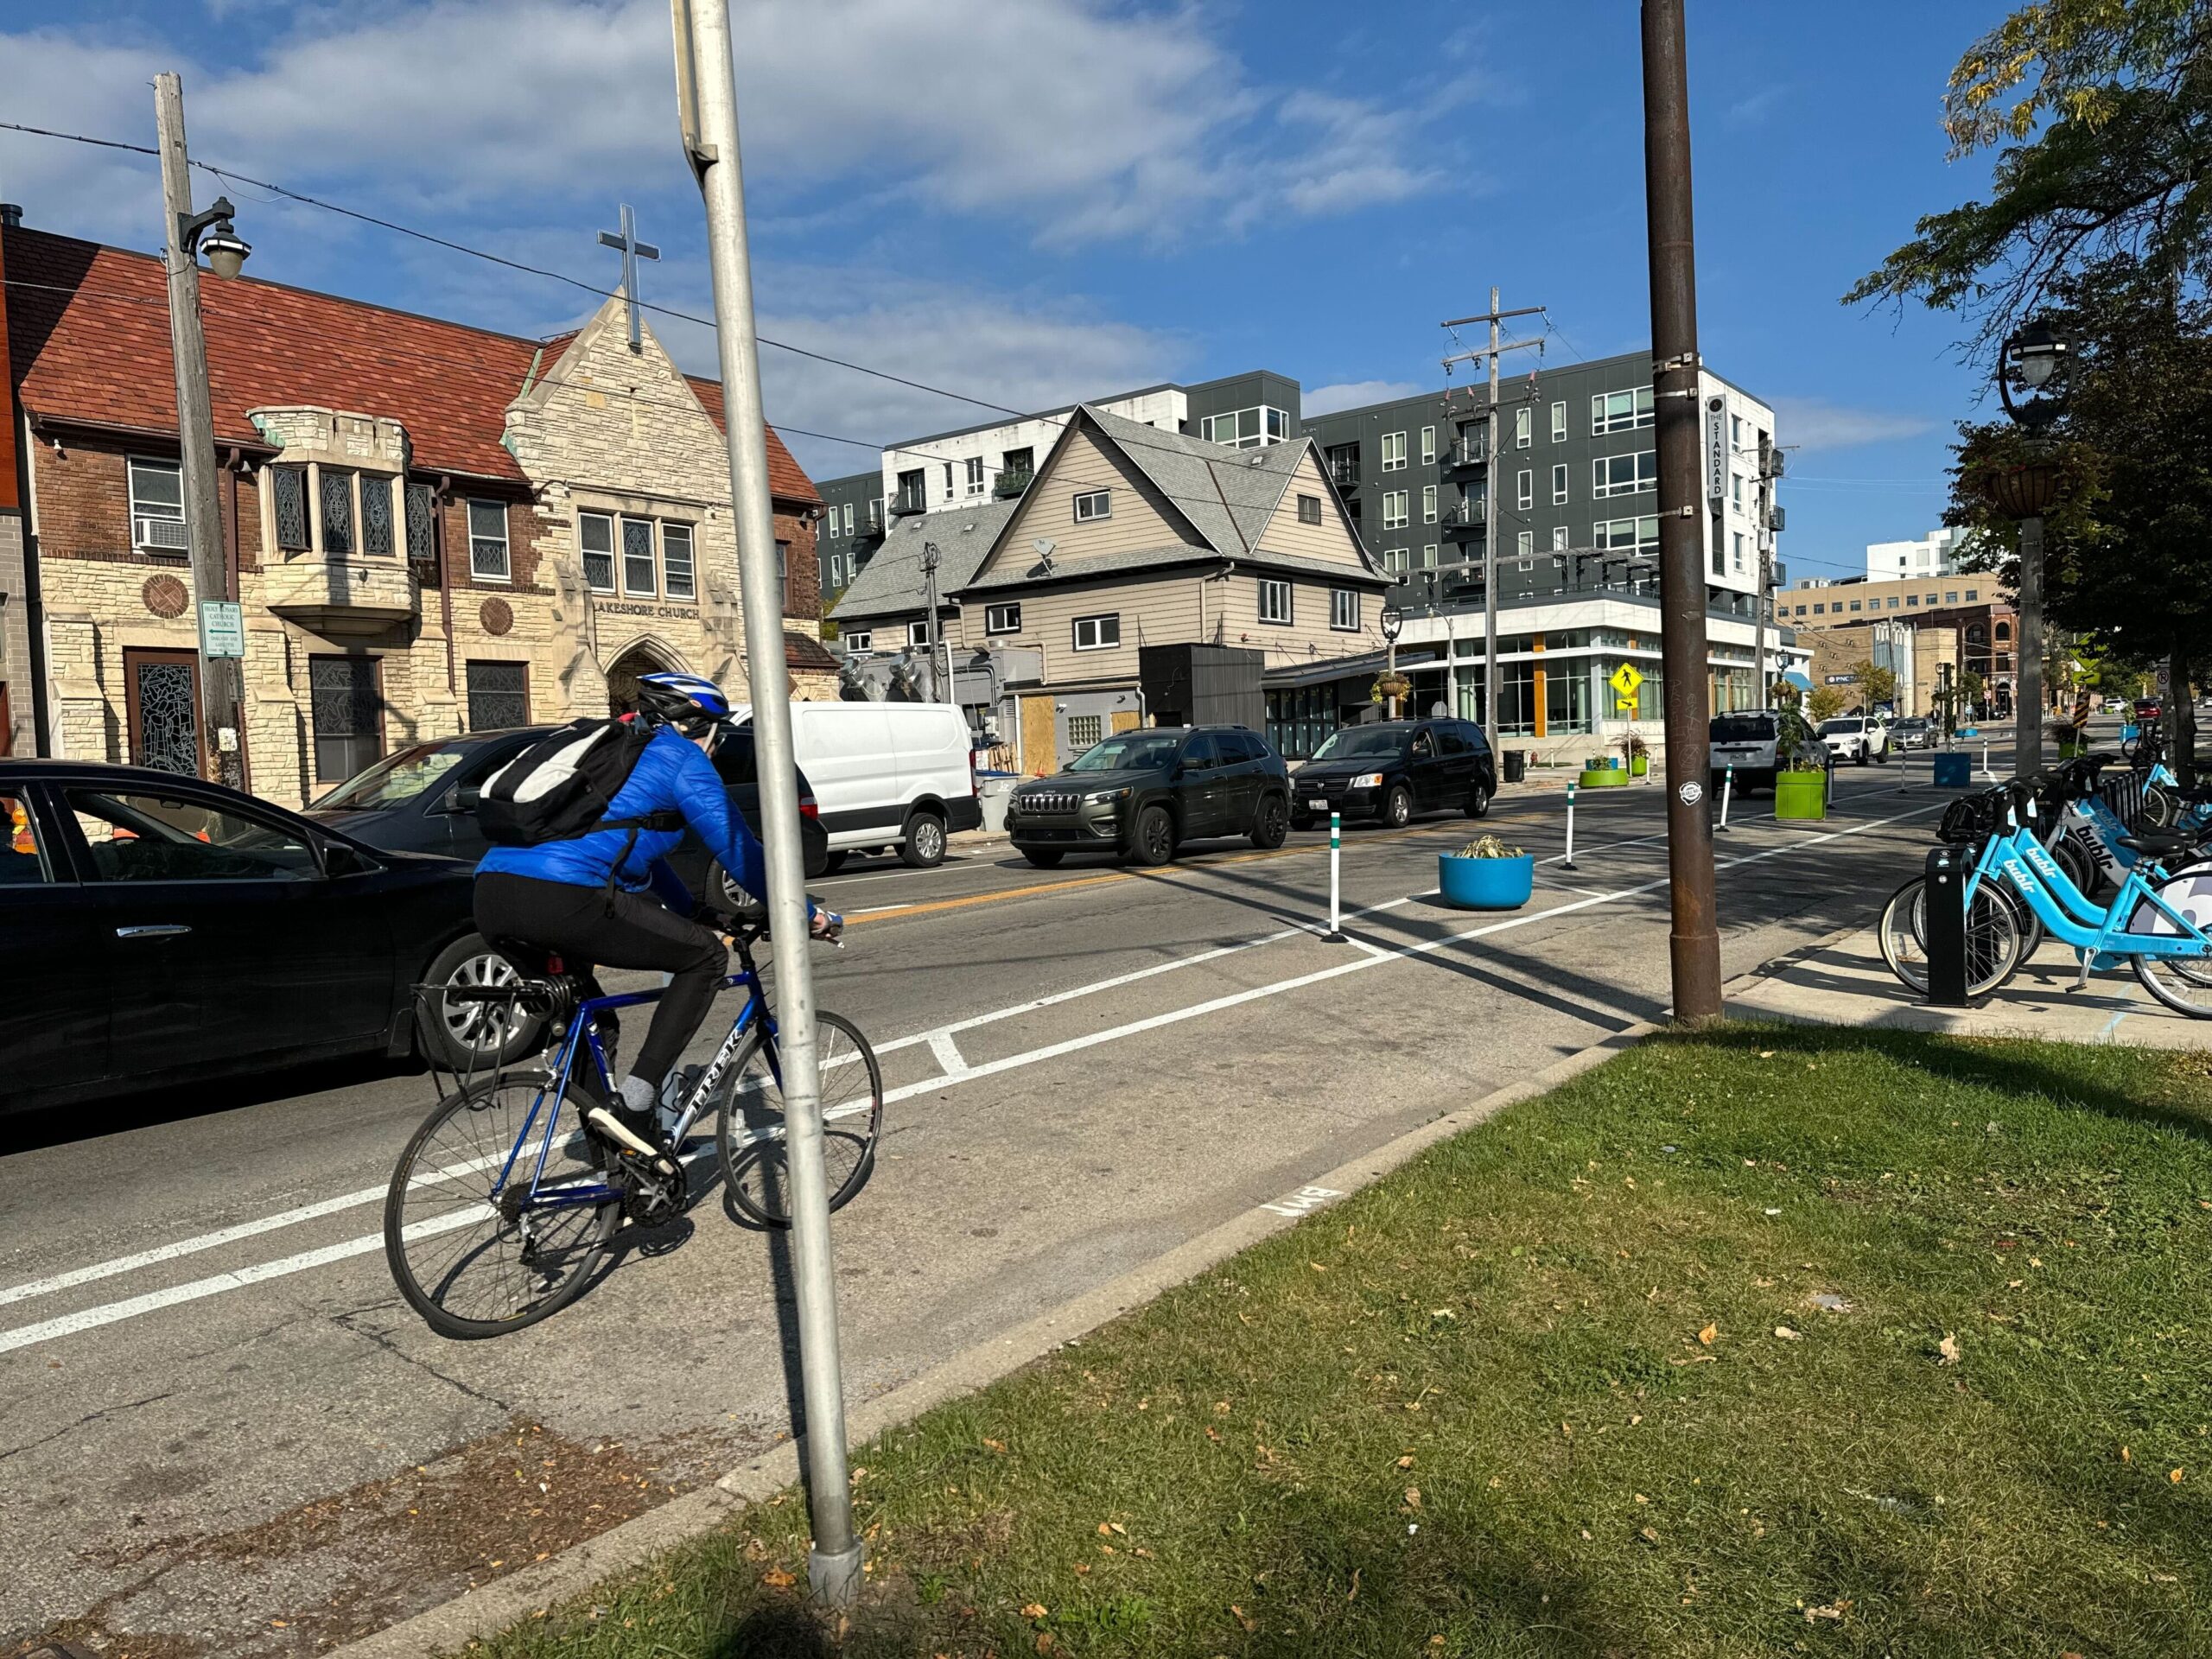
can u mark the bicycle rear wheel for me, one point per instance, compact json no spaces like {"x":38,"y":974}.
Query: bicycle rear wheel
{"x":474,"y":1247}
{"x":750,"y":1128}
{"x":1995,"y":937}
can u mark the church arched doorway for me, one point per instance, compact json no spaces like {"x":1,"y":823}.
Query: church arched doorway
{"x":624,"y":673}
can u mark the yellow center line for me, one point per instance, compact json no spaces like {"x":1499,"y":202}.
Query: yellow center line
{"x":970,"y":900}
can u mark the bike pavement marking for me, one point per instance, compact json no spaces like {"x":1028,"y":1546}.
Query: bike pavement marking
{"x":152,"y":1301}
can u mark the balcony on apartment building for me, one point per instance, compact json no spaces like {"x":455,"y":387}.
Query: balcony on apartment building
{"x":1011,"y":483}
{"x":1466,"y":454}
{"x":1463,"y":519}
{"x":1343,"y":467}
{"x":868,"y":530}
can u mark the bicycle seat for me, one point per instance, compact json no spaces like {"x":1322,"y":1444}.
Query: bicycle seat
{"x":2158,"y":842}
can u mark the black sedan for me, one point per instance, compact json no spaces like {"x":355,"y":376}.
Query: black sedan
{"x":423,"y":800}
{"x":1390,"y":770}
{"x":161,"y":929}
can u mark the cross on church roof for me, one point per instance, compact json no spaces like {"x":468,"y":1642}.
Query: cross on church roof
{"x":626,"y":243}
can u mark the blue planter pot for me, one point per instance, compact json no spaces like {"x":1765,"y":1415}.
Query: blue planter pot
{"x":1487,"y":883}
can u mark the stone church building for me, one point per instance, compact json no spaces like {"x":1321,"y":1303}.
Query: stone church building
{"x":430,"y":528}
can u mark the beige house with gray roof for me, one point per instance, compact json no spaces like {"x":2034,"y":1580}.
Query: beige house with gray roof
{"x":1129,"y":535}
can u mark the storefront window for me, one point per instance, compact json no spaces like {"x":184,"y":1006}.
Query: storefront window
{"x":1517,"y":699}
{"x":1299,"y":718}
{"x":1567,"y":697}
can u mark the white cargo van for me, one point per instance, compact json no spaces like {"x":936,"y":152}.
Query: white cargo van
{"x":887,"y":774}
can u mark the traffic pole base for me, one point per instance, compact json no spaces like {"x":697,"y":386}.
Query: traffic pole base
{"x":834,"y":1580}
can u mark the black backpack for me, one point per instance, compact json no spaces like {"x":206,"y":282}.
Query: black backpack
{"x":560,"y":786}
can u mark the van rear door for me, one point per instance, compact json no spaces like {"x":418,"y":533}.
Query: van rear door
{"x":847,"y":755}
{"x":935,"y":761}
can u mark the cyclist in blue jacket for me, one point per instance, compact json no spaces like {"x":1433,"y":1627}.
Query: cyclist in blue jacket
{"x":608,"y":899}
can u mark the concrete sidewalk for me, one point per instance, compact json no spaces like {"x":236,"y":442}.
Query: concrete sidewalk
{"x":1846,"y":982}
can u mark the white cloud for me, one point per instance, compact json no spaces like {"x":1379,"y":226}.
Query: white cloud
{"x":1811,"y":424}
{"x":1350,"y":394}
{"x":1081,"y":120}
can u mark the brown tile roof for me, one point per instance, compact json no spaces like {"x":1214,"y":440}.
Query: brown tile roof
{"x":88,"y":334}
{"x":803,"y":652}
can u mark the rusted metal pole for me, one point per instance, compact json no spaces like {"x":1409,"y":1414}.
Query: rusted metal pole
{"x":1695,"y":944}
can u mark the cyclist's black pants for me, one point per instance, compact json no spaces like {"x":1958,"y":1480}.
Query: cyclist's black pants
{"x":577,"y":925}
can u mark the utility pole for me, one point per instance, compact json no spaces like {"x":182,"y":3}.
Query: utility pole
{"x":1493,"y":317}
{"x":2027,"y":675}
{"x":222,"y":682}
{"x":930,"y":561}
{"x":707,"y":102}
{"x":1695,"y":942}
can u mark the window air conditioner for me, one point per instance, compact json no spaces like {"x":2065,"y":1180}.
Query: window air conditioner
{"x":167,"y":534}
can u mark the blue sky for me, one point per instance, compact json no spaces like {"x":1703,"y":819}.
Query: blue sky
{"x":1034,"y":200}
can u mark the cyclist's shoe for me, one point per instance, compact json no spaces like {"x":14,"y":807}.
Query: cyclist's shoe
{"x":635,"y":1136}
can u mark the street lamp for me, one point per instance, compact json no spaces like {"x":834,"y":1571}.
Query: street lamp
{"x":2034,"y":366}
{"x":212,"y":234}
{"x":1394,"y":623}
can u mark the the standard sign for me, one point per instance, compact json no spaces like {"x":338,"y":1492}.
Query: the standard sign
{"x":222,"y":628}
{"x":1716,"y":450}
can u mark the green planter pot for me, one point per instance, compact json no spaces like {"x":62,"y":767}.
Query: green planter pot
{"x":1641,"y":766}
{"x":1605,"y":777}
{"x":1800,"y":795}
{"x":2071,"y":750}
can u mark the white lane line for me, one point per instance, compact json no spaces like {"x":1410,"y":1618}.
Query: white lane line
{"x":91,"y":1317}
{"x":948,"y":1055}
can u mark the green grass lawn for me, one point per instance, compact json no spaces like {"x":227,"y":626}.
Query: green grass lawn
{"x":1772,"y":1341}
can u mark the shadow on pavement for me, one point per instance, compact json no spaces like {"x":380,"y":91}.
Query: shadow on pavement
{"x":148,"y":1107}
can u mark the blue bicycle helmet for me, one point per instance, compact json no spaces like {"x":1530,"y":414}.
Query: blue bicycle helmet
{"x":686,"y":702}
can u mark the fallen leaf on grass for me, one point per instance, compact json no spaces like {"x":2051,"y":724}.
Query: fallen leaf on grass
{"x":1787,"y":1335}
{"x":1249,"y":1624}
{"x":1033,"y":1609}
{"x":1354,"y":1593}
{"x":1413,"y":1494}
{"x":1082,"y":1569}
{"x":2174,"y":1475}
{"x":2126,"y":1456}
{"x":1836,"y":1610}
{"x":1650,"y":1534}
{"x":1947,"y":1350}
{"x":1707,"y":1335}
{"x":995,"y":1445}
{"x":776,"y":1579}
{"x":1044,"y":1641}
{"x":1213,"y":1433}
{"x":1406,"y":1462}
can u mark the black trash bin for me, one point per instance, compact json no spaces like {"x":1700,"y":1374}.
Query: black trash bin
{"x":1516,"y":764}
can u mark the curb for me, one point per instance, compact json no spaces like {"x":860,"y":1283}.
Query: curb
{"x":493,"y":1607}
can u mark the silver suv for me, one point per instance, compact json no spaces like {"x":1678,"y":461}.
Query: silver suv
{"x":1745,"y":741}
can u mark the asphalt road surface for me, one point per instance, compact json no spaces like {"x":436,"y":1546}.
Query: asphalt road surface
{"x":220,"y":1426}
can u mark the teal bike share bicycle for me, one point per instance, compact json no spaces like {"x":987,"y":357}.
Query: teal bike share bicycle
{"x":2158,"y":920}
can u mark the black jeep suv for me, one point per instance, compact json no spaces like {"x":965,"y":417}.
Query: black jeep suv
{"x":1140,"y":793}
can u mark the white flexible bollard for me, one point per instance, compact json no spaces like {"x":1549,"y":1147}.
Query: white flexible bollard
{"x":1568,"y":863}
{"x":1727,"y":788}
{"x":1336,"y":933}
{"x":1985,"y":771}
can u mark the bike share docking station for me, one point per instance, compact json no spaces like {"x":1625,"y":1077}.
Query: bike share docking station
{"x":1943,"y":917}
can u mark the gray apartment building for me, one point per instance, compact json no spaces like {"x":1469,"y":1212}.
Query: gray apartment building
{"x":1577,"y":525}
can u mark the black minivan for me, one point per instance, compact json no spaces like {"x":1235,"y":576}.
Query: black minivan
{"x":1390,"y":770}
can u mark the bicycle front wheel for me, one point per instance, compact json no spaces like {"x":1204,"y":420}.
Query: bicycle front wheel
{"x":477,"y":1246}
{"x":1994,"y":938}
{"x":751,"y":1129}
{"x":2183,"y":983}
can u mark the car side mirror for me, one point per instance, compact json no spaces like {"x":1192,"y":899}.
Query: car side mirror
{"x":339,"y":858}
{"x":463,"y":798}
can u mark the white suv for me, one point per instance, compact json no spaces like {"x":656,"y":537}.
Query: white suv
{"x":1857,"y":738}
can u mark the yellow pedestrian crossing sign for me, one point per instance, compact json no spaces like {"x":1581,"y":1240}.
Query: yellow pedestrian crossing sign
{"x":1625,"y":680}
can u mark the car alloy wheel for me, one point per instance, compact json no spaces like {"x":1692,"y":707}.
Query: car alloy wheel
{"x":1398,"y":807}
{"x":1272,"y":827}
{"x":1155,"y":836}
{"x":478,"y":1028}
{"x":1478,"y":803}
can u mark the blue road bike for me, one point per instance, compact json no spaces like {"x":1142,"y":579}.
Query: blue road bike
{"x":504,"y":1204}
{"x":2157,"y":921}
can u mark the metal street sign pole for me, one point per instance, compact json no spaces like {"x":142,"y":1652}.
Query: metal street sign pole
{"x":707,"y":97}
{"x":222,"y":685}
{"x":1695,"y":942}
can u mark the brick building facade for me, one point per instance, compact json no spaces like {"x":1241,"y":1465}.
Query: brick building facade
{"x":431,"y":528}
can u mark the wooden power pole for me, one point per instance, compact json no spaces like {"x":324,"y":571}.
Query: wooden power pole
{"x":222,"y":688}
{"x":1695,"y":944}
